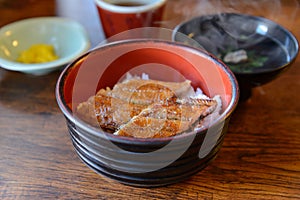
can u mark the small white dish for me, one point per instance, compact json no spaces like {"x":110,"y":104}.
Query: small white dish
{"x":67,"y":36}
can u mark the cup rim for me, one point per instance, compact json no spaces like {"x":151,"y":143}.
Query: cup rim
{"x":130,"y":9}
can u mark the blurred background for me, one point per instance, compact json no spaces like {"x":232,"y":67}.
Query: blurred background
{"x":271,"y":9}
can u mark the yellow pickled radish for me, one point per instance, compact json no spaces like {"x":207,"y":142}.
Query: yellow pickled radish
{"x":38,"y":53}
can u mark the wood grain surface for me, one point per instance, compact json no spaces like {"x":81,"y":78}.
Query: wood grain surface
{"x":260,"y":157}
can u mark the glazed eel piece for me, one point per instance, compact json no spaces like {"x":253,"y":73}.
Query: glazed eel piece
{"x":145,"y":108}
{"x":168,"y":118}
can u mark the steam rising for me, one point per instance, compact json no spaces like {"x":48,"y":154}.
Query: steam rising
{"x":271,"y":9}
{"x":227,"y":27}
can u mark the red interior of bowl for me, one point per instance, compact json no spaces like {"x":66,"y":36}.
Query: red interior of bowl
{"x":105,"y":66}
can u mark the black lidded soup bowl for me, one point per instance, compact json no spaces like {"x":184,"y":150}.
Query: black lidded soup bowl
{"x":149,"y":162}
{"x":270,"y":48}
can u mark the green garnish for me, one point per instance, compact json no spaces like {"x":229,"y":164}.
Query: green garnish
{"x":254,"y":61}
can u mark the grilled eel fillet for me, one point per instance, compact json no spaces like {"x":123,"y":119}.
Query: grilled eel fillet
{"x":107,"y":112}
{"x":111,"y":108}
{"x":152,"y":103}
{"x":141,"y":91}
{"x":167,"y":118}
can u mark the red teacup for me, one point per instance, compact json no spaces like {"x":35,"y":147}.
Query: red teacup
{"x":120,"y":15}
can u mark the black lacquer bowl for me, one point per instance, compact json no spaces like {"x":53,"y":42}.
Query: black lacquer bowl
{"x":270,"y":48}
{"x":146,"y":162}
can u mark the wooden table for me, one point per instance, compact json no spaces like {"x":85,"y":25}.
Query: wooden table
{"x":260,"y":157}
